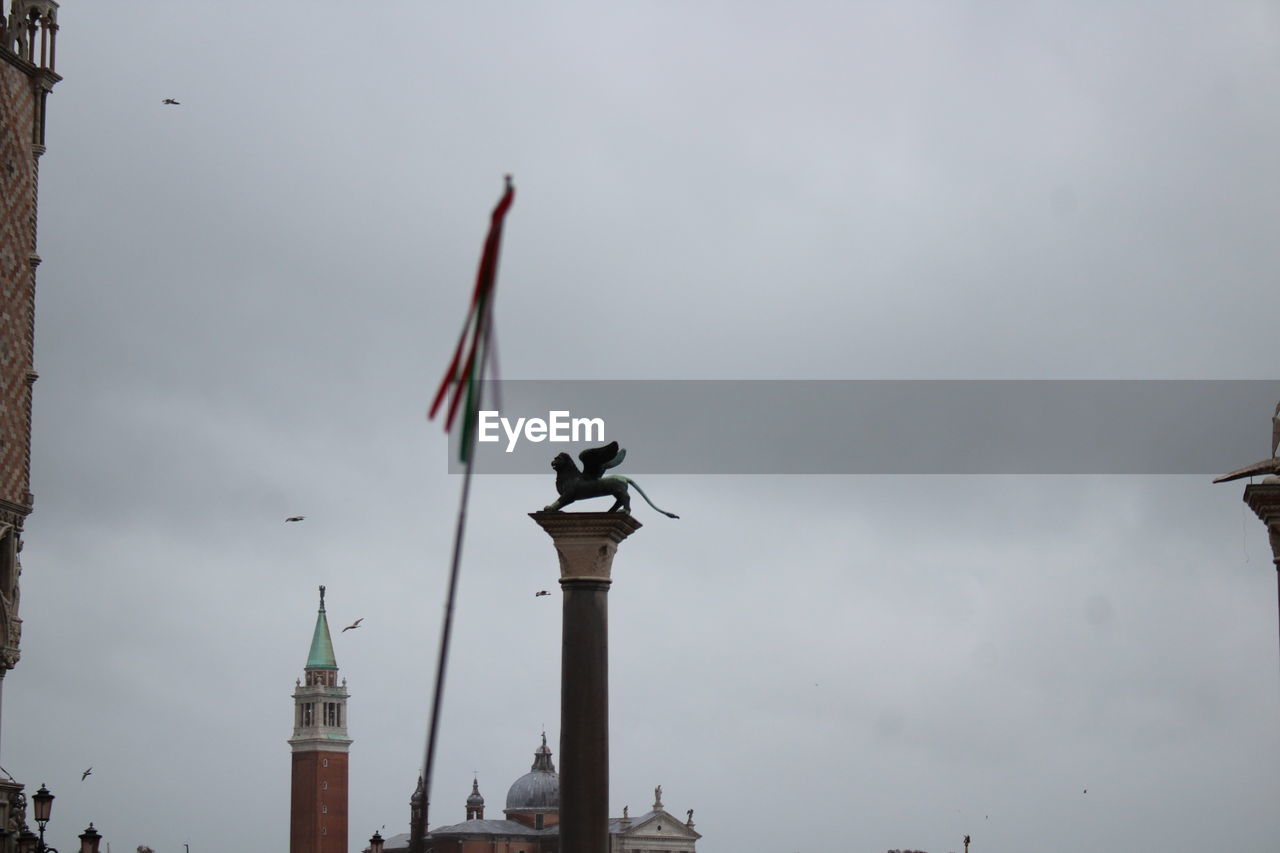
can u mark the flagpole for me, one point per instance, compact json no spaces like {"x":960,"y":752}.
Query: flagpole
{"x":417,"y":837}
{"x":446,"y":632}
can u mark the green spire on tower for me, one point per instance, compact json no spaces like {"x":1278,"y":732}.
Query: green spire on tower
{"x":321,"y":656}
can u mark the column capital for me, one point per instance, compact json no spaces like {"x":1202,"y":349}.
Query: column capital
{"x":586,"y":541}
{"x":1264,"y":499}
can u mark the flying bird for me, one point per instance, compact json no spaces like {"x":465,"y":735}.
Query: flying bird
{"x":540,"y":592}
{"x":295,"y":518}
{"x":171,"y":102}
{"x":355,"y":624}
{"x":86,"y":774}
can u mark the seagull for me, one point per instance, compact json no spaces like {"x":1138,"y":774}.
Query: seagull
{"x":171,"y":102}
{"x":540,"y":592}
{"x":355,"y":624}
{"x":86,"y":774}
{"x":295,"y":518}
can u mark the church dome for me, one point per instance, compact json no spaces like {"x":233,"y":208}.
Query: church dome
{"x":475,"y":799}
{"x":539,"y":789}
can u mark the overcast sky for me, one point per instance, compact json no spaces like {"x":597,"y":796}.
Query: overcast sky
{"x":246,"y":301}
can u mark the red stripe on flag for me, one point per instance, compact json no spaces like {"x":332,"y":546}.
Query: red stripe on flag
{"x":476,"y":328}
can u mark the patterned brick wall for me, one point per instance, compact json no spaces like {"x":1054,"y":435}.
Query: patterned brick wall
{"x":18,"y":179}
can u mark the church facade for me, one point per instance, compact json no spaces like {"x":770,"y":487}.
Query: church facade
{"x":531,"y":817}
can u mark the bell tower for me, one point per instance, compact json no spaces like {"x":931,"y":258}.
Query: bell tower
{"x":318,"y":804}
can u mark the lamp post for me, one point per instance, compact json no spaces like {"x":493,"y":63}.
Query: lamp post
{"x":42,"y":805}
{"x":89,"y":840}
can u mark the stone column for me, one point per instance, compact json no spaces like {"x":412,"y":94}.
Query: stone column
{"x":585,"y":543}
{"x":1264,"y":499}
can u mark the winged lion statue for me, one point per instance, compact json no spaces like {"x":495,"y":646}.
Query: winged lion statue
{"x":591,"y":482}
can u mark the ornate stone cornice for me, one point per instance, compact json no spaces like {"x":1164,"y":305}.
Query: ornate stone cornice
{"x":614,"y":526}
{"x":1264,"y":499}
{"x":13,"y":513}
{"x":586,"y":541}
{"x":319,"y":744}
{"x":43,"y":76}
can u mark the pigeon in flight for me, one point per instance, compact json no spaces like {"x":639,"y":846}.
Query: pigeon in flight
{"x":86,"y":774}
{"x":171,"y":102}
{"x":355,"y":624}
{"x":540,"y":592}
{"x":295,"y":518}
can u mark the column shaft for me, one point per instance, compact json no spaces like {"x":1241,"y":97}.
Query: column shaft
{"x":584,"y":718}
{"x":585,"y":543}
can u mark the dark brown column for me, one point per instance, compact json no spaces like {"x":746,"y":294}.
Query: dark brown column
{"x":585,"y":543}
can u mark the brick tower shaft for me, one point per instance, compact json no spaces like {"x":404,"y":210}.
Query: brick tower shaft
{"x":318,"y":797}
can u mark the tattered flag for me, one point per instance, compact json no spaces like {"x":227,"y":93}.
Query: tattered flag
{"x":461,"y":378}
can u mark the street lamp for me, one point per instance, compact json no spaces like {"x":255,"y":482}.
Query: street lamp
{"x":41,"y":806}
{"x":42,"y":802}
{"x":89,"y":840}
{"x":375,"y":843}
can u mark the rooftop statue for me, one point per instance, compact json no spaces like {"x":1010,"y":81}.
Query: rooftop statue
{"x":1266,"y":466}
{"x":590,"y":482}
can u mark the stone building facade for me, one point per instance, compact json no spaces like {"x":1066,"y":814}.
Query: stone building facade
{"x":532,"y":816}
{"x":26,"y":78}
{"x":28,"y":55}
